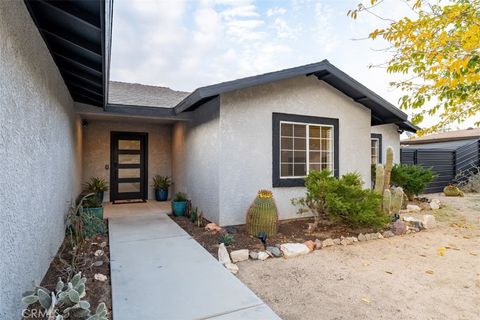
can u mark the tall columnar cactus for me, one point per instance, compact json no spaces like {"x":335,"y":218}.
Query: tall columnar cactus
{"x":388,"y":168}
{"x":387,"y":201}
{"x":262,"y":215}
{"x":397,"y":200}
{"x":379,"y":179}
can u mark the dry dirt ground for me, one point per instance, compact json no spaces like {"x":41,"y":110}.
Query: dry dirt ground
{"x":397,"y":278}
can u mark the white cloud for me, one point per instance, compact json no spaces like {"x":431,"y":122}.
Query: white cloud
{"x":282,"y":28}
{"x":276,"y":11}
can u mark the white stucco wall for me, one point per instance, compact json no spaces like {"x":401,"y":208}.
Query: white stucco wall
{"x":245,"y":157}
{"x":195,"y":153}
{"x":96,"y":149}
{"x":40,"y":145}
{"x":390,"y":138}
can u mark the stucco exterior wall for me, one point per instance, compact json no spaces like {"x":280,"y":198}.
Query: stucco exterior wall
{"x":40,"y":145}
{"x":245,"y":157}
{"x":96,"y":149}
{"x":390,"y":138}
{"x":195,"y":151}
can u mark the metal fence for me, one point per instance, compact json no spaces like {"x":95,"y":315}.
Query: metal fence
{"x":446,"y":164}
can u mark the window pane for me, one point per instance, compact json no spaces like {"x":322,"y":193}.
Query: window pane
{"x":286,"y":156}
{"x":129,"y":187}
{"x":286,"y":170}
{"x":314,"y":157}
{"x":326,"y":144}
{"x":315,"y":166}
{"x":287,"y":143}
{"x":129,"y":173}
{"x":314,"y":131}
{"x":129,"y":159}
{"x":326,"y":132}
{"x":299,"y":130}
{"x":314,"y":144}
{"x":129,"y":144}
{"x":287,"y":130}
{"x":324,"y":166}
{"x":299,"y":170}
{"x":299,"y":144}
{"x":325,"y":157}
{"x":300,"y":157}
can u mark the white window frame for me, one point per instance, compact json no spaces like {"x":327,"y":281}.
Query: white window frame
{"x":377,"y":149}
{"x":331,"y":164}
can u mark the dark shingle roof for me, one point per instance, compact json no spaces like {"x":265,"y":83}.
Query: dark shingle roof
{"x":123,"y":93}
{"x":464,"y":134}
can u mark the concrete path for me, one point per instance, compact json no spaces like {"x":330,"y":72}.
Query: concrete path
{"x":159,"y":272}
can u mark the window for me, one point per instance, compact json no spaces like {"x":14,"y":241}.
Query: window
{"x":304,"y":147}
{"x":376,"y":148}
{"x":301,"y":144}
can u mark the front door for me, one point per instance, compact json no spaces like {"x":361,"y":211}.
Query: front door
{"x":128,"y":163}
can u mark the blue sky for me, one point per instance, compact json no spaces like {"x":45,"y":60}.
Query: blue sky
{"x":187,"y":44}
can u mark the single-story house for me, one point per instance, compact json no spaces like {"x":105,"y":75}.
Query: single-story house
{"x":60,"y":124}
{"x":448,"y":154}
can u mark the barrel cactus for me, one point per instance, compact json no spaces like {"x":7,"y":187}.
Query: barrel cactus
{"x":379,"y":178}
{"x":262,"y":215}
{"x":452,"y":191}
{"x":387,"y":201}
{"x":388,"y":168}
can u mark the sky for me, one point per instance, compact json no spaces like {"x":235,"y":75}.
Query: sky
{"x":188,"y":44}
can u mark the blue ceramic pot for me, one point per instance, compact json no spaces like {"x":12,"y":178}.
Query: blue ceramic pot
{"x":99,"y":195}
{"x":161,"y":195}
{"x":94,"y":211}
{"x":178,"y":208}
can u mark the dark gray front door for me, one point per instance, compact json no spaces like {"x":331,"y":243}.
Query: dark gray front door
{"x":128,"y":174}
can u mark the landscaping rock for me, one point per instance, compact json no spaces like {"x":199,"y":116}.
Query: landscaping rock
{"x":99,"y":253}
{"x":361,"y":237}
{"x":399,"y":227}
{"x":100,"y":277}
{"x":328,"y":243}
{"x":429,"y":221}
{"x":231,"y":229}
{"x":239,"y":255}
{"x":354,"y":239}
{"x":435,"y":204}
{"x":336,"y":241}
{"x":318,"y":244}
{"x":275,"y":252}
{"x":388,"y":234}
{"x":212,"y":227}
{"x":262,"y":255}
{"x":223,"y":255}
{"x":413,"y":208}
{"x":379,"y":235}
{"x":98,"y":263}
{"x":253,"y":255}
{"x":368,"y":236}
{"x":232,"y":267}
{"x":310,"y":245}
{"x":291,"y":250}
{"x":103,"y":244}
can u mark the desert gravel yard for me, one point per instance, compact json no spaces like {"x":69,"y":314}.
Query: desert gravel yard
{"x":433,"y":274}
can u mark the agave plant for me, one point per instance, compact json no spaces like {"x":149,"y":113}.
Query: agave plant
{"x":96,"y":184}
{"x":161,"y":182}
{"x":65,"y":300}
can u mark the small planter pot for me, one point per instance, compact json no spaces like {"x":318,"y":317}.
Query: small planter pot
{"x":98,"y":212}
{"x":178,"y":208}
{"x":99,"y":195}
{"x":161,"y":195}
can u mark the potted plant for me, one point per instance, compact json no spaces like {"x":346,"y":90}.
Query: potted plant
{"x":93,"y":206}
{"x":97,"y":186}
{"x":179,"y":204}
{"x":161,"y":185}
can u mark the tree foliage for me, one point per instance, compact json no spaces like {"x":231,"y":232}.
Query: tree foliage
{"x":437,"y":49}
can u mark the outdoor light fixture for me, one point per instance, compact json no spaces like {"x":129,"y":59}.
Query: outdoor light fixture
{"x":85,"y":123}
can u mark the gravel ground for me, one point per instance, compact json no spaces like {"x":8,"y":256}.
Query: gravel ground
{"x":397,"y":278}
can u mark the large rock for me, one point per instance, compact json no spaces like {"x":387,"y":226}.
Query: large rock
{"x":262,"y":255}
{"x":253,"y":255}
{"x":388,"y":234}
{"x":232,"y":267}
{"x":291,"y":250}
{"x":361,"y":237}
{"x":413,"y":208}
{"x":223,"y":255}
{"x":336,"y":241}
{"x":274,"y":251}
{"x":328,"y":243}
{"x":399,"y":227}
{"x":310,"y":244}
{"x":318,"y":244}
{"x":239,"y":255}
{"x":429,"y":221}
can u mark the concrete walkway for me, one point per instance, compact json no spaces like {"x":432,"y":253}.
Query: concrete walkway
{"x":159,"y":272}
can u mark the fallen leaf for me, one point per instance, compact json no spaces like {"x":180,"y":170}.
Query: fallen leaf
{"x":466,"y":237}
{"x":429,"y":271}
{"x":389,"y":272}
{"x":441,"y":251}
{"x":423,"y":255}
{"x":366,"y":300}
{"x":473,"y":253}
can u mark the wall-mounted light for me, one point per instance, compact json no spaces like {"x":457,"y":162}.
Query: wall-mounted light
{"x":85,"y":123}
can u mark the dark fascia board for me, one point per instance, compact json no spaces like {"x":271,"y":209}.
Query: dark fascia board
{"x":141,"y":110}
{"x":106,"y":24}
{"x":408,"y":126}
{"x":320,"y":69}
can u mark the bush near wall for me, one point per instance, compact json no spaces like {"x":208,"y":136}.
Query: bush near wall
{"x":412,"y":178}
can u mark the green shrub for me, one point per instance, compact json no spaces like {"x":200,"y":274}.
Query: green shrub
{"x":341,"y":199}
{"x":226,"y":239}
{"x":412,"y":178}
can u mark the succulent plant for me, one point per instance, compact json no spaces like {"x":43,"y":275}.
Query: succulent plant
{"x":262,"y":215}
{"x":452,"y":191}
{"x":65,"y":300}
{"x":388,"y":168}
{"x":226,"y":239}
{"x":379,"y":178}
{"x":387,"y":201}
